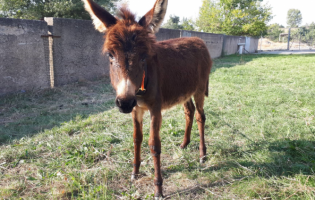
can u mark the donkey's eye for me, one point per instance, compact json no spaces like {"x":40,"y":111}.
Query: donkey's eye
{"x":111,"y":56}
{"x":143,"y":58}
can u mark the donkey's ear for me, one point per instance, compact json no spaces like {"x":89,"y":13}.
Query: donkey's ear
{"x":101,"y":18}
{"x":154,"y":18}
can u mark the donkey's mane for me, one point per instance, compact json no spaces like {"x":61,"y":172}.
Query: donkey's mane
{"x":125,"y":14}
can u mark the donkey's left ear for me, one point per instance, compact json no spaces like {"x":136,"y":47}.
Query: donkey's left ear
{"x":154,"y":18}
{"x":101,"y":18}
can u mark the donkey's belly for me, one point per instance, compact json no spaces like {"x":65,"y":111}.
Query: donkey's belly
{"x":174,"y":100}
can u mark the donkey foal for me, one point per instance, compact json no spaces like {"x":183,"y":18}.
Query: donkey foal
{"x":151,"y":75}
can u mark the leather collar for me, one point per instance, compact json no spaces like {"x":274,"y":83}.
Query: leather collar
{"x":140,"y":91}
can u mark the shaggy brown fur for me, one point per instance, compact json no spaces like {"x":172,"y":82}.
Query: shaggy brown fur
{"x":175,"y":70}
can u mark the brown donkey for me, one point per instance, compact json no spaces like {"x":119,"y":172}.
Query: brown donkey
{"x":153,"y":76}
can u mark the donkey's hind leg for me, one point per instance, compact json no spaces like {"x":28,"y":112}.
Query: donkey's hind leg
{"x":201,"y":119}
{"x":189,"y":110}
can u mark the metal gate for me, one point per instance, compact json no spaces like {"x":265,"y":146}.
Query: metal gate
{"x":302,"y":38}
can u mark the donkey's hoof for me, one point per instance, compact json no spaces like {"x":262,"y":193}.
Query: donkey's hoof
{"x":158,"y":197}
{"x":134,"y":177}
{"x":202,"y":160}
{"x":184,"y":145}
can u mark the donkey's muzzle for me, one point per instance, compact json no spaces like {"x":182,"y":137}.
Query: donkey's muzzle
{"x":125,"y":105}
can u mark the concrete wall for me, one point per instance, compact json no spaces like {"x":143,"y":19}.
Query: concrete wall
{"x":165,"y":34}
{"x":251,"y":44}
{"x":77,"y":51}
{"x":73,"y":51}
{"x":217,"y":44}
{"x":213,"y":41}
{"x":230,"y":44}
{"x":22,"y":55}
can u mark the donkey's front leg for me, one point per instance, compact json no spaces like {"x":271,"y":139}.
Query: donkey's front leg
{"x":155,"y":147}
{"x":137,"y":116}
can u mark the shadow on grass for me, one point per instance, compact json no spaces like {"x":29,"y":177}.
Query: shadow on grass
{"x":283,"y":158}
{"x":287,"y":158}
{"x":26,"y":114}
{"x":29,"y":113}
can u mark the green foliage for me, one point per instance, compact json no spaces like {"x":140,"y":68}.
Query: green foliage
{"x":234,"y":17}
{"x":210,"y":19}
{"x":38,"y":9}
{"x":312,"y":25}
{"x":304,"y":35}
{"x":174,"y":23}
{"x":188,"y":24}
{"x":294,"y":18}
{"x":273,"y":32}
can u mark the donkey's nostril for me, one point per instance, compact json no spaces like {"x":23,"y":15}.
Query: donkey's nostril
{"x":118,"y":102}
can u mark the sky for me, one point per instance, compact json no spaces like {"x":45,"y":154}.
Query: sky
{"x":190,"y":9}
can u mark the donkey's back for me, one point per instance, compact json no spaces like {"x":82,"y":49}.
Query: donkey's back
{"x":185,"y":65}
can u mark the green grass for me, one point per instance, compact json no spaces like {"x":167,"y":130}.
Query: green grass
{"x":72,"y":143}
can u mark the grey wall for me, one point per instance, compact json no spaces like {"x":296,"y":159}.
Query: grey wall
{"x":230,"y":44}
{"x":213,"y":41}
{"x":165,"y":34}
{"x":217,"y":44}
{"x":73,"y":51}
{"x":251,"y":44}
{"x":77,"y":53}
{"x":22,"y":55}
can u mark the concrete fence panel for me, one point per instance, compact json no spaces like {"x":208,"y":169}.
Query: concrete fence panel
{"x":22,"y":55}
{"x":251,"y":44}
{"x":54,"y":52}
{"x":213,"y":41}
{"x":230,"y":44}
{"x":166,"y":34}
{"x":77,"y":51}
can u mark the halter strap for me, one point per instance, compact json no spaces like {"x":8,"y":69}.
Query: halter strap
{"x":142,"y":90}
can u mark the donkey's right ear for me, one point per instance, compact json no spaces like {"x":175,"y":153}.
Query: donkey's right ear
{"x":154,"y":18}
{"x":101,"y":18}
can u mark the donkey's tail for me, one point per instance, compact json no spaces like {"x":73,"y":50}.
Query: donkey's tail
{"x":207,"y":89}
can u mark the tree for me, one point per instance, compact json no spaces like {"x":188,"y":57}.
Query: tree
{"x":38,"y":9}
{"x":294,"y":18}
{"x":188,"y":24}
{"x":234,"y":17}
{"x":274,"y":31}
{"x":210,"y":19}
{"x":173,"y":23}
{"x":312,"y":25}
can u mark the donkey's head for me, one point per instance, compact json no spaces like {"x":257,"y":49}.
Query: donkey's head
{"x":128,"y":44}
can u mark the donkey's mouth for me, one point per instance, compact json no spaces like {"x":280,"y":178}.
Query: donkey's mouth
{"x":126,"y":106}
{"x":125,"y":111}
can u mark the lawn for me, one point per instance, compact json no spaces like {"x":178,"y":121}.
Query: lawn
{"x":72,"y":143}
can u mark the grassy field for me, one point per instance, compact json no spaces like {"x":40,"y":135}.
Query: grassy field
{"x":72,"y":143}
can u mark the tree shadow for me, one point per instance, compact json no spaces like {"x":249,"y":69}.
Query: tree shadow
{"x":287,"y":159}
{"x":26,"y":114}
